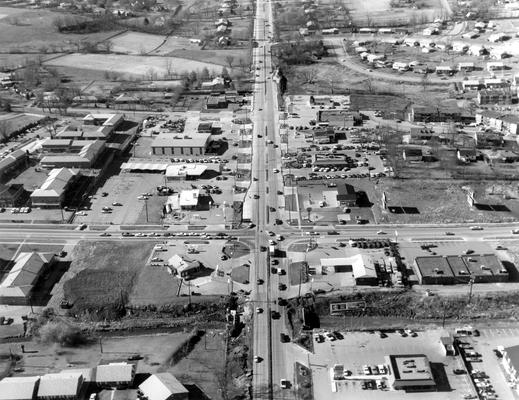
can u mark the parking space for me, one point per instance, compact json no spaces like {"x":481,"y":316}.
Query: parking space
{"x":358,"y":349}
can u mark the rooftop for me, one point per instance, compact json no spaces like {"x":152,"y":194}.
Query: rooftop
{"x":411,"y":367}
{"x":167,"y":139}
{"x":18,"y":388}
{"x":62,"y":384}
{"x":177,"y":170}
{"x":115,"y":372}
{"x":189,"y":197}
{"x":56,"y":183}
{"x":26,"y":269}
{"x":161,"y":386}
{"x":433,"y":266}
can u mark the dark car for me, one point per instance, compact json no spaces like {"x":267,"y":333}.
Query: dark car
{"x":284,"y":338}
{"x":135,"y":357}
{"x":263,"y":248}
{"x":260,"y":281}
{"x":282,"y":286}
{"x":275,"y":315}
{"x":458,"y":371}
{"x":274,"y":262}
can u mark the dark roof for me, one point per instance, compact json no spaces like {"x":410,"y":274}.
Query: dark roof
{"x":10,"y":190}
{"x":346,"y":192}
{"x":413,"y":152}
{"x":433,"y":266}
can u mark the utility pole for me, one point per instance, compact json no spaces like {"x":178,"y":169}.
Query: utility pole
{"x":146,"y":208}
{"x":471,"y":283}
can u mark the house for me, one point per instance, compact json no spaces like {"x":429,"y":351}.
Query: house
{"x":371,"y":58}
{"x":184,"y":267}
{"x":466,"y":67}
{"x":17,"y":285}
{"x":411,"y":154}
{"x":217,"y":83}
{"x":466,"y":156}
{"x":501,"y":156}
{"x":496,"y":96}
{"x":60,"y":386}
{"x":477,"y":50}
{"x":52,"y":192}
{"x":400,"y":66}
{"x":115,"y":375}
{"x":346,"y":195}
{"x":471,"y":84}
{"x":495,"y":66}
{"x":497,"y":37}
{"x":163,"y":386}
{"x":330,"y":31}
{"x":510,"y":124}
{"x":444,"y":70}
{"x":459,"y":47}
{"x":434,"y":114}
{"x":495,"y":83}
{"x":19,"y":388}
{"x":13,"y":195}
{"x":486,"y":140}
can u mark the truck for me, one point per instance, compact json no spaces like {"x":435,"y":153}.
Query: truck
{"x":272,"y":250}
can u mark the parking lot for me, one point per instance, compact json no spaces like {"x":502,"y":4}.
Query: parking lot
{"x":358,"y":349}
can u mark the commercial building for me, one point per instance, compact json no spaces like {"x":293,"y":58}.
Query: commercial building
{"x":94,"y":127}
{"x":434,"y":114}
{"x":188,"y":199}
{"x":176,"y":172}
{"x":11,"y":163}
{"x":115,"y":375}
{"x":511,"y":363}
{"x":493,"y":96}
{"x":61,"y":386}
{"x":18,"y":284}
{"x":471,"y":84}
{"x":163,"y":386}
{"x":438,"y":270}
{"x":466,"y":66}
{"x":412,"y":154}
{"x":19,"y":388}
{"x":330,"y":161}
{"x":74,"y":154}
{"x":13,"y":195}
{"x":434,"y":270}
{"x":346,"y":195}
{"x":181,"y":144}
{"x":410,"y":372}
{"x":183,"y":266}
{"x":52,"y":192}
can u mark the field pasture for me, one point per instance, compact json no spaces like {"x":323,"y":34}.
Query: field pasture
{"x":132,"y":65}
{"x":149,"y":44}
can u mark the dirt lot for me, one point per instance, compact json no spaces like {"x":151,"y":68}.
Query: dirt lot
{"x":132,"y":65}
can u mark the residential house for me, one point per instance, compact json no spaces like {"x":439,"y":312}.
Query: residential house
{"x":472,"y":84}
{"x":466,"y":156}
{"x":412,"y":154}
{"x":163,"y":386}
{"x":466,"y":66}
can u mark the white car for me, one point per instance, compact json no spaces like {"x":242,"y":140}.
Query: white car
{"x":476,"y":228}
{"x":381,"y":233}
{"x":275,"y":170}
{"x":515,"y":231}
{"x":284,"y":383}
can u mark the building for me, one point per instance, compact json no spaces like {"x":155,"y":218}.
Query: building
{"x":447,"y":343}
{"x":466,"y":66}
{"x":216,"y":102}
{"x":412,"y":154}
{"x":510,"y":124}
{"x":410,"y":372}
{"x":444,"y":70}
{"x":75,"y":154}
{"x":19,"y":388}
{"x":180,"y":144}
{"x":434,"y":114}
{"x":434,"y":270}
{"x":495,"y":83}
{"x":485,"y":140}
{"x":346,"y":195}
{"x":188,"y":199}
{"x":12,"y":163}
{"x":115,"y":375}
{"x":61,"y":386}
{"x":485,"y":268}
{"x":467,"y":156}
{"x":94,"y":127}
{"x":511,"y":362}
{"x":364,"y":270}
{"x":494,"y":96}
{"x":330,"y":161}
{"x":471,"y":84}
{"x":13,"y":195}
{"x":176,"y":172}
{"x":184,"y":267}
{"x":51,"y":193}
{"x":500,"y":156}
{"x":495,"y":66}
{"x":19,"y":282}
{"x":163,"y":386}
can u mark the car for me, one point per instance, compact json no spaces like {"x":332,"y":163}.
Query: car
{"x":270,"y":233}
{"x":257,"y":359}
{"x":382,"y":335}
{"x":223,"y":257}
{"x":275,"y":170}
{"x":116,"y":204}
{"x":330,"y":336}
{"x":282,"y":286}
{"x":259,"y":281}
{"x":274,"y":262}
{"x":263,"y":248}
{"x":381,"y":233}
{"x":284,"y":338}
{"x":275,"y":315}
{"x":259,"y":310}
{"x":272,"y":209}
{"x":515,"y":231}
{"x":468,"y":251}
{"x":281,"y":271}
{"x":65,"y":304}
{"x":476,"y":228}
{"x":104,"y":194}
{"x":62,"y":254}
{"x":107,"y":208}
{"x":259,"y":136}
{"x":319,"y":338}
{"x":449,"y":233}
{"x":284,"y":384}
{"x":256,"y":196}
{"x":105,"y":234}
{"x":366,"y":369}
{"x":282,"y":302}
{"x":135,"y":357}
{"x":93,"y":396}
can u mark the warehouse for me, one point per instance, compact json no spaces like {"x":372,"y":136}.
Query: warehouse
{"x":19,"y":388}
{"x":433,"y":270}
{"x":163,"y":386}
{"x":177,"y":144}
{"x":60,"y":386}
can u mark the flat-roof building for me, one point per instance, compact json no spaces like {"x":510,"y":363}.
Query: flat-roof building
{"x":486,"y":268}
{"x":78,"y":154}
{"x":115,"y":375}
{"x":11,"y":163}
{"x":410,"y":372}
{"x":511,"y":362}
{"x":433,"y":270}
{"x":183,"y":266}
{"x":167,"y":143}
{"x":177,"y":172}
{"x":346,"y":195}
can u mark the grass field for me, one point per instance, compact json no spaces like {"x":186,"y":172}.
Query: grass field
{"x":102,"y":274}
{"x":214,"y":56}
{"x":24,"y":30}
{"x":132,"y":65}
{"x":143,"y":43}
{"x":154,"y":286}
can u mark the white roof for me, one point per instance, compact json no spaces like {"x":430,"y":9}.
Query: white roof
{"x":161,"y":386}
{"x":25,"y":271}
{"x":168,"y":139}
{"x":18,"y":388}
{"x":495,"y":63}
{"x":55,"y":183}
{"x":60,"y":385}
{"x":189,"y":197}
{"x":185,"y":170}
{"x":466,"y":64}
{"x":331,"y":262}
{"x":363,"y":266}
{"x":491,"y":81}
{"x":471,"y":82}
{"x":115,"y":372}
{"x":181,"y":263}
{"x":129,"y":166}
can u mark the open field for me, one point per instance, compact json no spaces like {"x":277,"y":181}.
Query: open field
{"x":32,"y":30}
{"x":143,"y":43}
{"x":102,"y":274}
{"x":132,"y":65}
{"x":214,"y":56}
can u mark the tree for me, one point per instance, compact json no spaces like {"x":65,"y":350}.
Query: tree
{"x":169,"y":68}
{"x":309,"y":75}
{"x":229,"y":60}
{"x":61,"y":333}
{"x":225,"y":73}
{"x":204,"y":75}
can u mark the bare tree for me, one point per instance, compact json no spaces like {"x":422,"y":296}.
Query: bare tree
{"x":309,"y":75}
{"x":169,"y":68}
{"x":229,"y":60}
